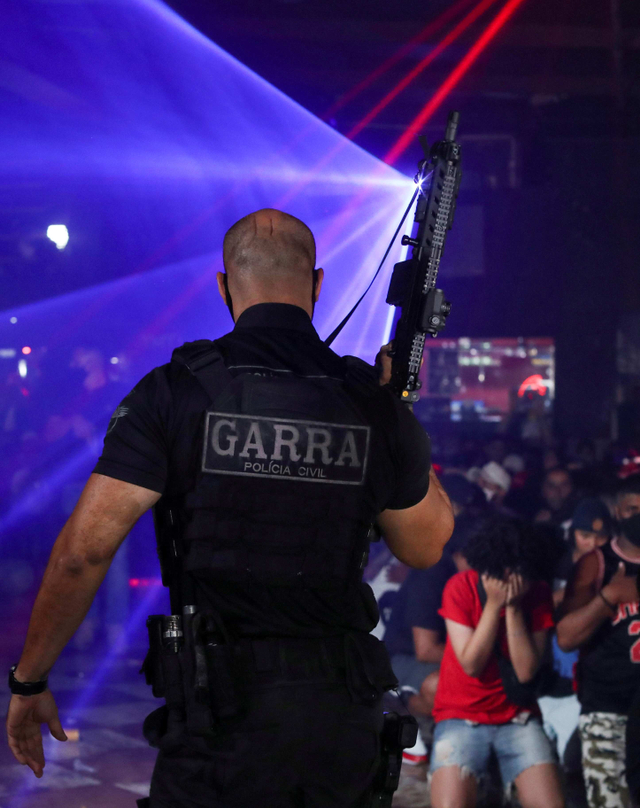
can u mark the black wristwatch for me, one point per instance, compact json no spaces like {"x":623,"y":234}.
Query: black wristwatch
{"x":25,"y":688}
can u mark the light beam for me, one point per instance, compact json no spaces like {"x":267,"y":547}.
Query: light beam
{"x":456,"y":75}
{"x":431,"y":28}
{"x":451,"y":37}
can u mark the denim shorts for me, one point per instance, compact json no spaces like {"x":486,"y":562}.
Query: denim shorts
{"x":517,"y":747}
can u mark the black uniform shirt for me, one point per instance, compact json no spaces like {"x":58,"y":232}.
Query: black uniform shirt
{"x":154,"y":440}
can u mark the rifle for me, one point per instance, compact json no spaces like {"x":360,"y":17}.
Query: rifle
{"x":424,"y":309}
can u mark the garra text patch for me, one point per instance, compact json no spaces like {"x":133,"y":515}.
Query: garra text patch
{"x":284,"y":448}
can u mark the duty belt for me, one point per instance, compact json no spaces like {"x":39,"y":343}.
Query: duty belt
{"x":195,"y":665}
{"x":290,"y":659}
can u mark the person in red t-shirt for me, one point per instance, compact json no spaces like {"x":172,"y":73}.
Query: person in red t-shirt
{"x":472,"y":711}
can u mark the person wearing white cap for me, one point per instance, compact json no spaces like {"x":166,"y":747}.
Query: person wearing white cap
{"x":495,"y":482}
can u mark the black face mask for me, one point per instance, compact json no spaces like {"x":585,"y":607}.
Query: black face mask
{"x":314,"y":283}
{"x":631,"y":529}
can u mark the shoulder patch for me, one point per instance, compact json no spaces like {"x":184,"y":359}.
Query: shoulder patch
{"x":120,"y":412}
{"x":285,"y":448}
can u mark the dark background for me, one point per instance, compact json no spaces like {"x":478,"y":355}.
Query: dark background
{"x":550,"y":130}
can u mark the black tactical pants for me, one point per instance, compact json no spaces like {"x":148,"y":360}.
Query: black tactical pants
{"x":296,"y":745}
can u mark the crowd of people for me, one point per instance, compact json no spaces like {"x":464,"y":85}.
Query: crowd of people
{"x":52,"y":424}
{"x":519,"y":651}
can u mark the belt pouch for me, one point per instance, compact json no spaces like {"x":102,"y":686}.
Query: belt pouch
{"x":194,"y":679}
{"x":368,"y":668}
{"x":152,"y":665}
{"x":161,"y":666}
{"x":172,"y":675}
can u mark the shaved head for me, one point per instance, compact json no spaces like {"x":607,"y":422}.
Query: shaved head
{"x":269,"y":257}
{"x":269,"y":248}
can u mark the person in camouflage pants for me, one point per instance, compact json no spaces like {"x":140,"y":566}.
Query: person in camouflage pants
{"x":603,"y":759}
{"x":601,"y":617}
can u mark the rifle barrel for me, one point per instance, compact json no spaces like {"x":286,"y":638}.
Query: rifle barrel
{"x":452,"y":125}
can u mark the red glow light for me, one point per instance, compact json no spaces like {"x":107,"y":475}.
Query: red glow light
{"x":26,"y":350}
{"x":499,"y":21}
{"x":533,"y":384}
{"x":144,"y":582}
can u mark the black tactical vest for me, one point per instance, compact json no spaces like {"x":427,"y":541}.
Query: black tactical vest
{"x":280,"y":492}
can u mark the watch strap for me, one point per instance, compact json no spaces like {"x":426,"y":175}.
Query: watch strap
{"x":25,"y":688}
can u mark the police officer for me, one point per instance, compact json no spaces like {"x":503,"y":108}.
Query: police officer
{"x":273,"y":457}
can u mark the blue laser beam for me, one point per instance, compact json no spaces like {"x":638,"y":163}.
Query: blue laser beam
{"x":91,"y":689}
{"x":157,"y":140}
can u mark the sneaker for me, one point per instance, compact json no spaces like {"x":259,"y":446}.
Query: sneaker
{"x":415,"y":755}
{"x":414,"y":760}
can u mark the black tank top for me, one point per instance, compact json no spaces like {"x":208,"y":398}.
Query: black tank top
{"x":609,"y":666}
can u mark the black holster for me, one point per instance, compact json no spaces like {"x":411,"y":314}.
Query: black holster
{"x":368,"y":676}
{"x":398,"y":732}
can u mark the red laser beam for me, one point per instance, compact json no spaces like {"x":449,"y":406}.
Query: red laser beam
{"x":452,"y":80}
{"x":432,"y":28}
{"x":455,"y":76}
{"x":453,"y":34}
{"x":422,"y":65}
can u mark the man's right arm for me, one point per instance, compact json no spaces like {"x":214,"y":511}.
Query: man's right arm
{"x":586,"y":607}
{"x":80,"y":558}
{"x":416,"y":535}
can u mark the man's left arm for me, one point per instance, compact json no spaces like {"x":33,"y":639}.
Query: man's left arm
{"x":417,"y":534}
{"x":428,"y":644}
{"x":106,"y":512}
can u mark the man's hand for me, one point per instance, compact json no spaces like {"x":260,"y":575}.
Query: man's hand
{"x":383,"y":363}
{"x":517,"y":588}
{"x":26,"y":714}
{"x":81,"y":555}
{"x":621,"y":588}
{"x":496,"y":590}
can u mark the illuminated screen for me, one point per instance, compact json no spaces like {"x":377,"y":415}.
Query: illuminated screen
{"x":486,"y":380}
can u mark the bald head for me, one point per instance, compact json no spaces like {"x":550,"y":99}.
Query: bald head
{"x":269,"y":245}
{"x":269,"y":257}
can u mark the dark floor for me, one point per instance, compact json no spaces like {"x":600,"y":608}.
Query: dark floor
{"x":106,"y":763}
